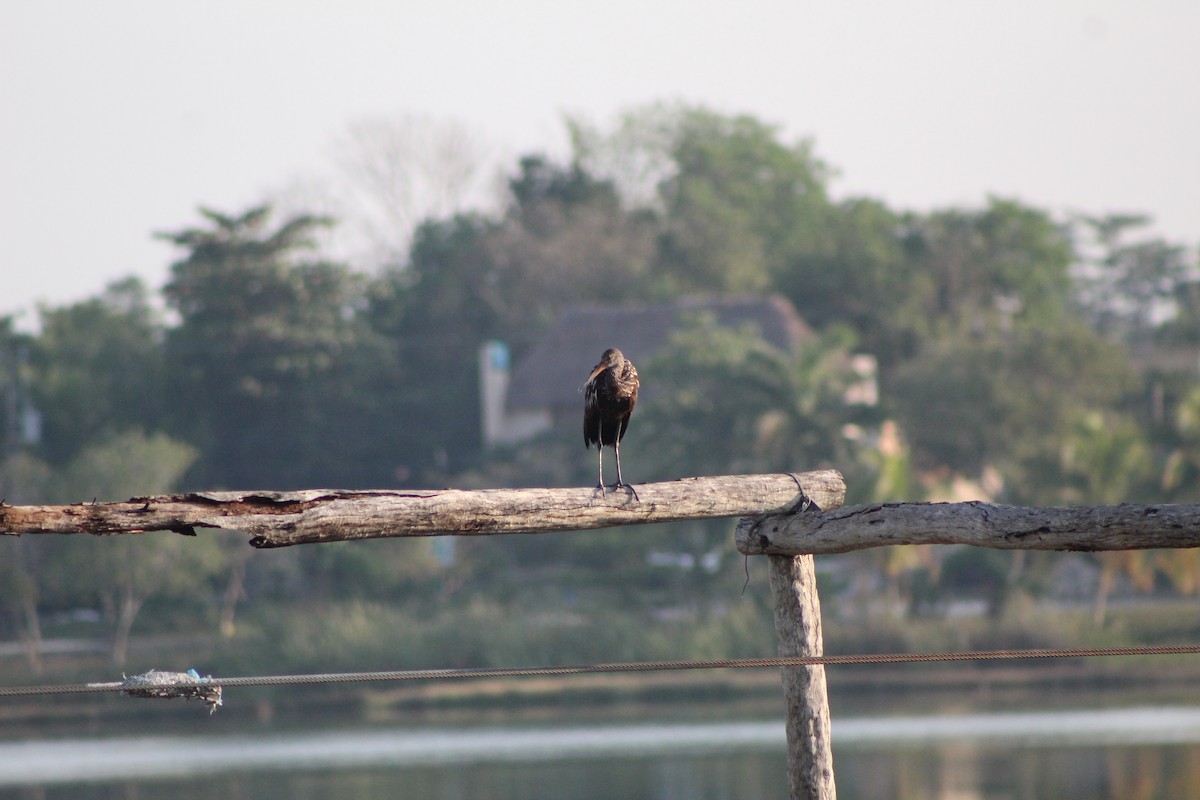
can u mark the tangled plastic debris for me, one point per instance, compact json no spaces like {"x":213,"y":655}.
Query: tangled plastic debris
{"x":189,"y":685}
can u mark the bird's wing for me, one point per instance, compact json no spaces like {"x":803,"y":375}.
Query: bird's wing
{"x":591,"y":416}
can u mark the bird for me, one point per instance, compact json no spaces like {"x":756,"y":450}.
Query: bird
{"x":609,"y":395}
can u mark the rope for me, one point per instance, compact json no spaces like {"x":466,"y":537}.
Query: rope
{"x":129,"y":685}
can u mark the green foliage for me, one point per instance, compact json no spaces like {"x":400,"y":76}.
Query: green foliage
{"x":735,"y":203}
{"x":130,"y":464}
{"x":862,"y":279}
{"x":398,"y":570}
{"x":563,"y":239}
{"x":566,"y":240}
{"x":727,"y":401}
{"x":357,"y":635}
{"x":24,"y":478}
{"x":97,"y":368}
{"x":904,"y":281}
{"x":990,"y":269}
{"x":269,"y":355}
{"x":729,"y":204}
{"x":438,"y":311}
{"x":1008,"y":401}
{"x":121,"y":573}
{"x":1127,"y":288}
{"x":980,"y":573}
{"x":1181,"y":472}
{"x":1000,"y":332}
{"x":1184,"y":328}
{"x":14,"y":387}
{"x":1106,"y":460}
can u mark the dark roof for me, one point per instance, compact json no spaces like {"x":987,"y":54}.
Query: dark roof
{"x":551,"y":374}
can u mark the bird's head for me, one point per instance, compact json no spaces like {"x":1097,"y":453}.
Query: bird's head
{"x":612,"y":358}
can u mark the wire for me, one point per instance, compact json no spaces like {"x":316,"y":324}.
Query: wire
{"x":636,"y":666}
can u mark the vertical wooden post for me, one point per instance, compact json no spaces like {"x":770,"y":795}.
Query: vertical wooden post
{"x":798,"y":628}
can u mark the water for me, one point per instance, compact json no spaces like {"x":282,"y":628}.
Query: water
{"x":1133,"y":753}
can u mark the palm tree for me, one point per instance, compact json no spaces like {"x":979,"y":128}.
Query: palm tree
{"x":726,"y":401}
{"x":1105,"y":460}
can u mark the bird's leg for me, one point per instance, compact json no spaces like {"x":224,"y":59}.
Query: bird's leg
{"x":600,"y":467}
{"x":600,"y":470}
{"x":620,"y":482}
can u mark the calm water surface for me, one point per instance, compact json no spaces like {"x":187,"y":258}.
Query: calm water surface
{"x":1133,"y":753}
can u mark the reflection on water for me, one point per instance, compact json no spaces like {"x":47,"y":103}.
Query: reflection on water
{"x":1125,"y":754}
{"x":971,"y":772}
{"x":74,"y":760}
{"x":1125,"y":726}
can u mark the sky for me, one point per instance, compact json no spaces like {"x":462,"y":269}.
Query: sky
{"x":120,"y":119}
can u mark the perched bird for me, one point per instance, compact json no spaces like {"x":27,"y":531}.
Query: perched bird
{"x":610,"y":393}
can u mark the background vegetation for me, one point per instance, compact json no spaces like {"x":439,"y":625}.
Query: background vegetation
{"x":1033,"y":358}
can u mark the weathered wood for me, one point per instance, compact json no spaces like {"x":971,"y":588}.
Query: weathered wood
{"x":279,"y":519}
{"x":798,"y":628}
{"x":1123,"y":527}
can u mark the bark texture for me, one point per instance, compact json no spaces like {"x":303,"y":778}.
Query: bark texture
{"x":1122,"y":527}
{"x":280,"y":519}
{"x":798,"y":629}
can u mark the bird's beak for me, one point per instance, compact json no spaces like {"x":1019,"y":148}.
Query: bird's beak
{"x":599,"y":368}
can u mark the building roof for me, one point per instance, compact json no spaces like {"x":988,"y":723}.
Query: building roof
{"x":551,"y":374}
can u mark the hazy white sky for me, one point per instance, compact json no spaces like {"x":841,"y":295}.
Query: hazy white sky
{"x":118,"y":119}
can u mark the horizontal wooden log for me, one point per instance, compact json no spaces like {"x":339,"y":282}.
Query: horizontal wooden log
{"x":279,"y":519}
{"x":1123,"y":527}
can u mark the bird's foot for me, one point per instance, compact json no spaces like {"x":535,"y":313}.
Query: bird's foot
{"x":602,"y":489}
{"x":628,"y":486}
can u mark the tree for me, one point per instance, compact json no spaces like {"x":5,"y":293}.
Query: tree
{"x":1184,"y":327}
{"x":438,"y":310}
{"x":125,"y":571}
{"x":787,"y":411}
{"x":22,"y":480}
{"x":1008,"y":401}
{"x":863,"y":279}
{"x":268,"y":362}
{"x":129,"y":464}
{"x":20,"y":589}
{"x":563,"y":239}
{"x":1181,"y":472}
{"x":97,"y":368}
{"x":1106,"y":461}
{"x":736,"y":203}
{"x":15,"y":404}
{"x":989,"y":269}
{"x":731,"y":204}
{"x":1126,"y":288}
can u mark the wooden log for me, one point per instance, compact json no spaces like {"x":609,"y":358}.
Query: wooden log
{"x":1122,"y":527}
{"x":280,"y":519}
{"x":798,"y":629}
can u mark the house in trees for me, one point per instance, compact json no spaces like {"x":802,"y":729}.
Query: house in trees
{"x":541,"y":391}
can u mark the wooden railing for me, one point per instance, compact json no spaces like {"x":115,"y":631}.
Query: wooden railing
{"x":787,"y":518}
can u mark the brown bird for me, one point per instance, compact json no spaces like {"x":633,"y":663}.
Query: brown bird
{"x":610,"y":393}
